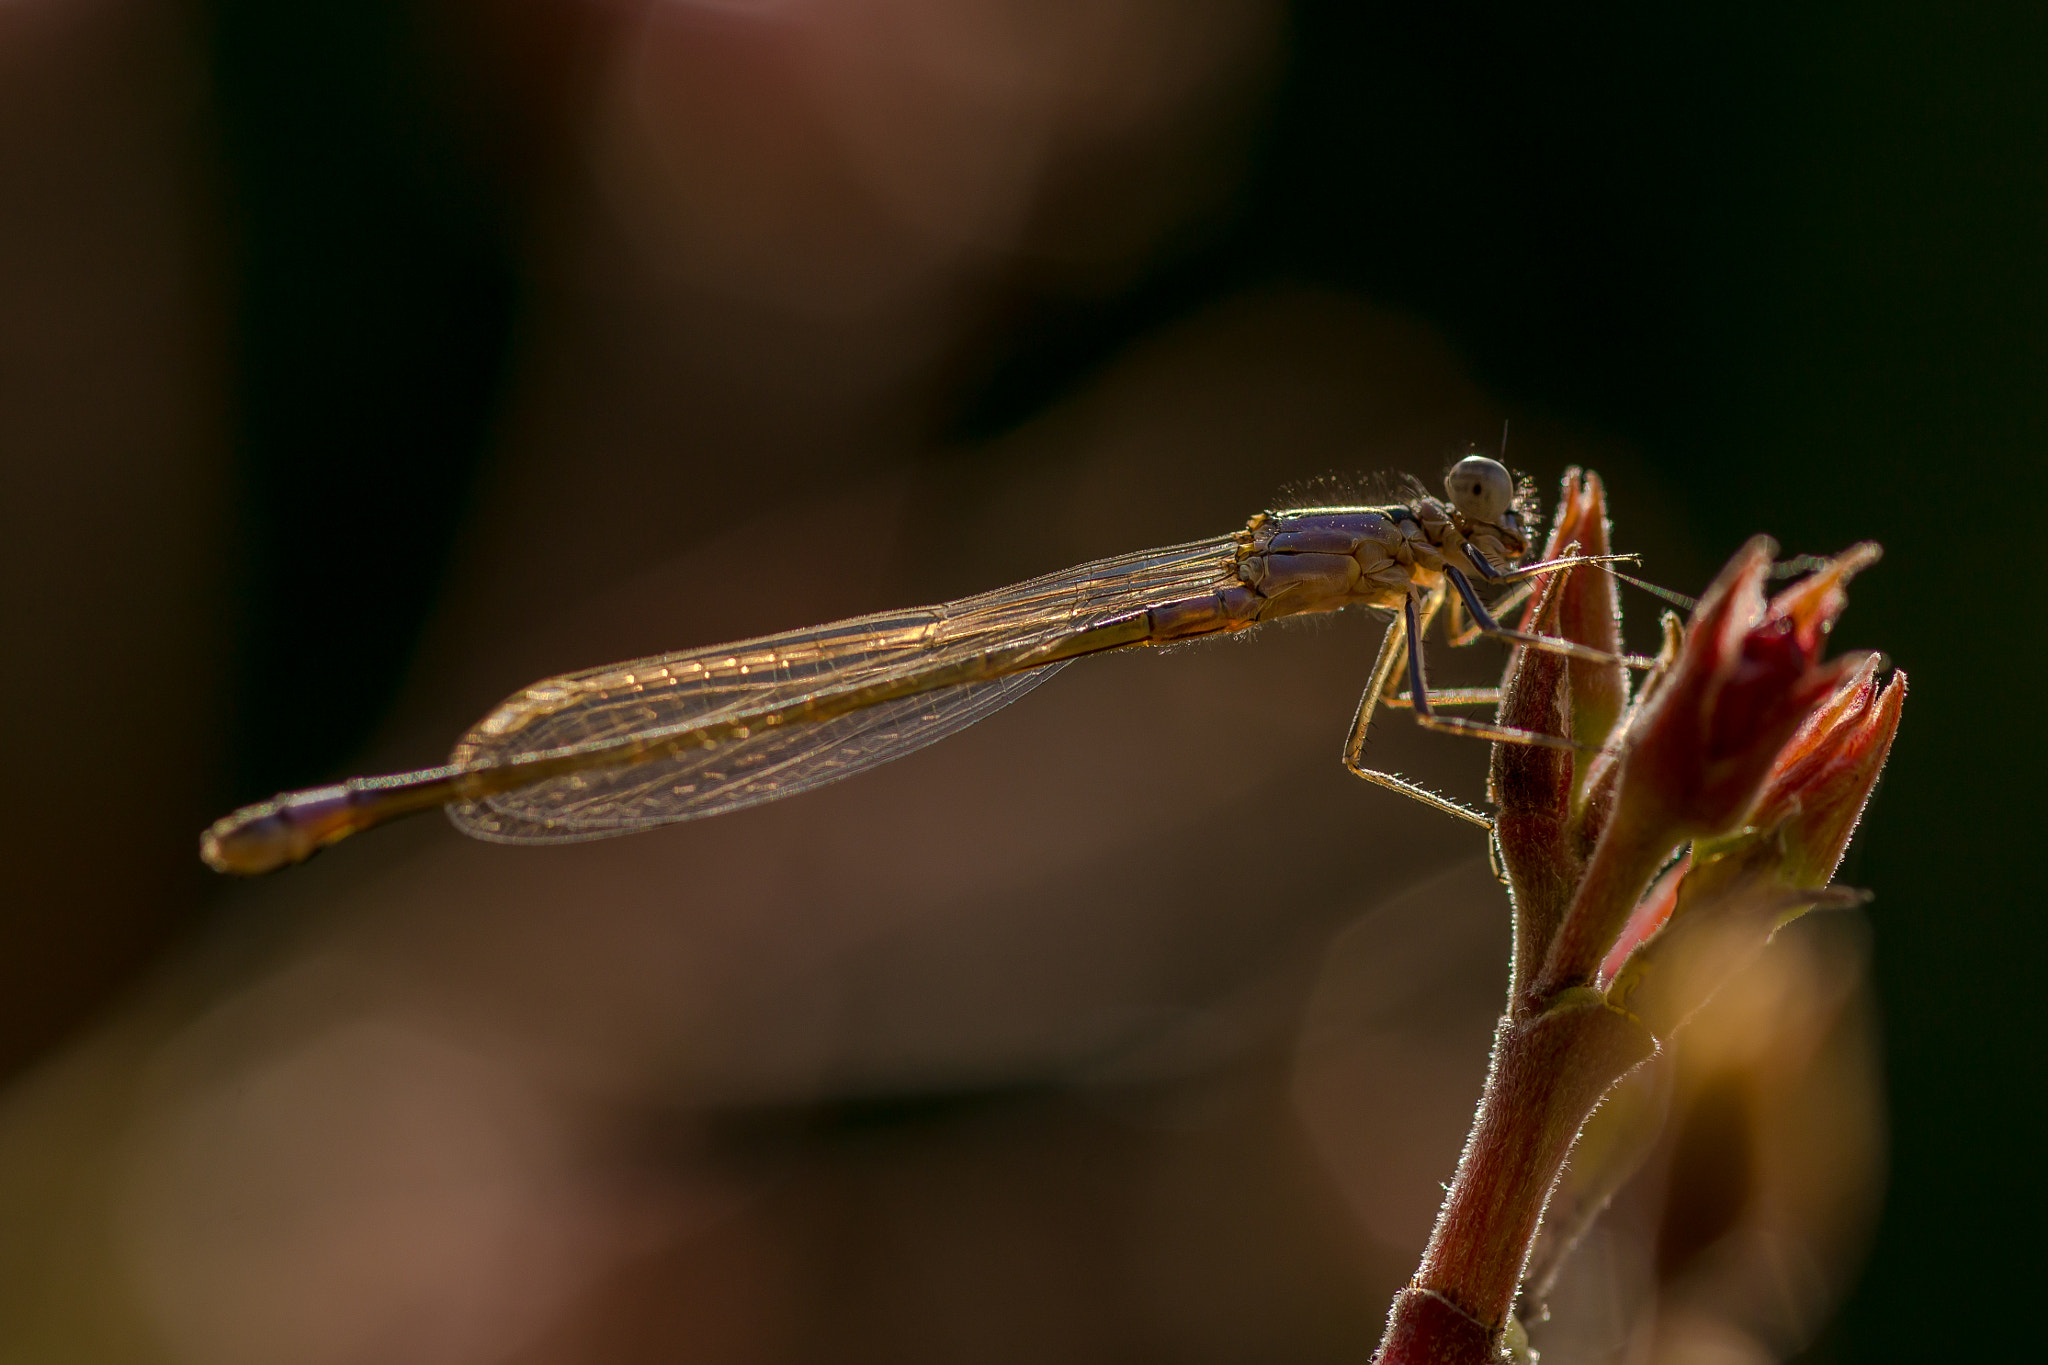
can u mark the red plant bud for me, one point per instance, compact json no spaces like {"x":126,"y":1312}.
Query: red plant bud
{"x":1587,"y":611}
{"x":1532,"y":786}
{"x":1701,"y":925}
{"x":1817,"y":787}
{"x":1748,"y":675}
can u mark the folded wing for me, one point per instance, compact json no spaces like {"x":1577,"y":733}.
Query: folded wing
{"x":673,"y":694}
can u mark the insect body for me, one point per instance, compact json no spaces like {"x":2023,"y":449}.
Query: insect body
{"x":704,"y":731}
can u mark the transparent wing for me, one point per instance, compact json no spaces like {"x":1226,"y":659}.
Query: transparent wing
{"x":673,"y":694}
{"x":778,"y":763}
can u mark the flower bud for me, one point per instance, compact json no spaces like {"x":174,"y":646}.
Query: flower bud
{"x":1706,"y":922}
{"x":1822,"y":778}
{"x":1531,"y":785}
{"x":1747,"y":677}
{"x":1587,"y":611}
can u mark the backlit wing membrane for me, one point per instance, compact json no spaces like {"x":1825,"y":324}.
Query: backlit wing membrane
{"x":674,"y":694}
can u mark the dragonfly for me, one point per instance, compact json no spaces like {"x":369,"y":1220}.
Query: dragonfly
{"x":700,"y":732}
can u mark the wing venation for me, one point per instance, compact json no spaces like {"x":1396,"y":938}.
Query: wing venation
{"x":671,"y":694}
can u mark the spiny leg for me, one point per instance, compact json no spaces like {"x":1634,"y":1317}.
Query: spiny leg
{"x":1447,"y":696}
{"x":1483,"y":622}
{"x":1458,"y":633}
{"x":1486,"y":569}
{"x":1386,"y":672}
{"x":1525,"y":577}
{"x":1426,"y":716}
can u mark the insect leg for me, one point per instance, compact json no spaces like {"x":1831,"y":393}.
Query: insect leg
{"x":1485,"y":568}
{"x":1459,"y":634}
{"x":1457,"y":631}
{"x":1426,"y":716}
{"x":1447,"y":696}
{"x":1484,"y":623}
{"x":1386,"y":672}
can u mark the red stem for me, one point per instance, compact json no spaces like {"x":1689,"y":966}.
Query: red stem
{"x":1549,"y":1071}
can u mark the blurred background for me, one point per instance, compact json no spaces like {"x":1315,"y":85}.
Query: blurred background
{"x":360,"y":363}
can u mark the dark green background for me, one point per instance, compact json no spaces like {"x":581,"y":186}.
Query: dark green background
{"x":1794,"y":254}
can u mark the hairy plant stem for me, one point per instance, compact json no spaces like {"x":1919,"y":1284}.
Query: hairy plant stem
{"x":1550,"y":1068}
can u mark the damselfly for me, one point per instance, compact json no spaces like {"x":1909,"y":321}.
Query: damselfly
{"x":704,"y":731}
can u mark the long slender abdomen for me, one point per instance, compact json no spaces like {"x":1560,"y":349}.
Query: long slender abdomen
{"x":277,"y":833}
{"x":293,"y":827}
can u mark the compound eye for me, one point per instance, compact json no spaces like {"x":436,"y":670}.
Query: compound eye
{"x":1481,"y":488}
